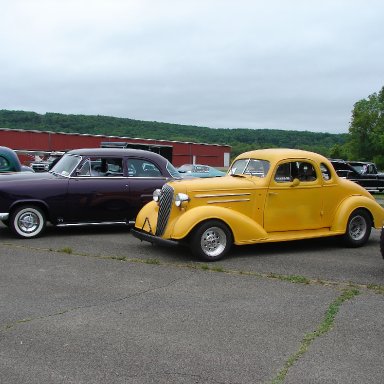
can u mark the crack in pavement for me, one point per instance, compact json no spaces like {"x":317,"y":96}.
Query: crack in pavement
{"x":296,"y":279}
{"x":62,"y":312}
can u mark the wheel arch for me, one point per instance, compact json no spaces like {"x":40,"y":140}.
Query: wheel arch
{"x":348,"y":206}
{"x":244,"y":229}
{"x":204,"y":221}
{"x":36,"y":203}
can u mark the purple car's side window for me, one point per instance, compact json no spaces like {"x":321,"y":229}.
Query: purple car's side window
{"x":142,"y":168}
{"x":85,"y":169}
{"x":101,"y":167}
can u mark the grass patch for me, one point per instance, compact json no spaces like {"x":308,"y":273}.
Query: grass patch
{"x":376,"y":288}
{"x":66,"y":250}
{"x":323,"y":328}
{"x":152,"y":261}
{"x":297,"y":279}
{"x":218,"y":268}
{"x":119,"y":258}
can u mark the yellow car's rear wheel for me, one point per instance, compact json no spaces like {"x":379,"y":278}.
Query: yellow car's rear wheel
{"x":358,"y":228}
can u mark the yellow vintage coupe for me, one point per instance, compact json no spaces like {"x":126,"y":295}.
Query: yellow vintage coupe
{"x":267,"y":195}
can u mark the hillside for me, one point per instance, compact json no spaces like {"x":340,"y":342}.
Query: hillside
{"x":240,"y":139}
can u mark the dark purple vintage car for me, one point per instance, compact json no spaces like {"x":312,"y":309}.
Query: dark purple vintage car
{"x":86,"y":186}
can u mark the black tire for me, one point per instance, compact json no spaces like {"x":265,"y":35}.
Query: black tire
{"x":382,"y":242}
{"x":211,"y":240}
{"x":27,"y":221}
{"x":358,"y":228}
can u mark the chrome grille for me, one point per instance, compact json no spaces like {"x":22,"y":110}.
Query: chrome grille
{"x":165,"y":205}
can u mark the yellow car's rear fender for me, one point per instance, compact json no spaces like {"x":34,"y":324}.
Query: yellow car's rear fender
{"x":352,"y":203}
{"x":244,"y":229}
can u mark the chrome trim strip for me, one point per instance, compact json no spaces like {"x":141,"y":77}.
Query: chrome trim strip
{"x":223,"y":195}
{"x":101,"y":223}
{"x":228,"y":201}
{"x":4,"y":216}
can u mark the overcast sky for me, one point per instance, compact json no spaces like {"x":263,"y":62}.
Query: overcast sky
{"x":294,"y":65}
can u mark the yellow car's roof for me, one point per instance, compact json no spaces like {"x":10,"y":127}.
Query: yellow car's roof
{"x":275,"y":154}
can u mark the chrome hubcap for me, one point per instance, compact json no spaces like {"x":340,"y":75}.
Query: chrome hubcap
{"x":357,"y":228}
{"x":213,"y":241}
{"x":28,"y":222}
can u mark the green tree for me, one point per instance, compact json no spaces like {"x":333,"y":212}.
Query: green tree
{"x":337,"y":152}
{"x":366,"y":140}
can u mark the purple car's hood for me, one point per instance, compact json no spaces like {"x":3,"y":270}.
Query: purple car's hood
{"x":27,"y":176}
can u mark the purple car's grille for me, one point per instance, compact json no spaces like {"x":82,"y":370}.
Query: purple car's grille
{"x":165,"y":205}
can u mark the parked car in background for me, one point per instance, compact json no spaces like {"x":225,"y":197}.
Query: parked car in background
{"x":9,"y":161}
{"x":342,"y":168}
{"x":198,"y":170}
{"x":366,"y":168}
{"x":86,"y":186}
{"x":46,"y":162}
{"x":362,"y":173}
{"x":268,"y":195}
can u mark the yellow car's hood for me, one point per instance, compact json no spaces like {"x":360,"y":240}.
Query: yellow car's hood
{"x":223,"y":183}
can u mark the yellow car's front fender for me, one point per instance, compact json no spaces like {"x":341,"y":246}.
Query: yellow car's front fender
{"x":244,"y":229}
{"x":352,"y":203}
{"x":147,"y":217}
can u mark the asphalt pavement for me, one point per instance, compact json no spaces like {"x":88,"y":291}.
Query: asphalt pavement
{"x":95,"y":305}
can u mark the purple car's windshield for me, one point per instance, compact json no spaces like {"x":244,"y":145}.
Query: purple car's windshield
{"x":66,"y":165}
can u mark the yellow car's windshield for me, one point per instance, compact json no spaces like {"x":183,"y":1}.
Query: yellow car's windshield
{"x":253,"y":167}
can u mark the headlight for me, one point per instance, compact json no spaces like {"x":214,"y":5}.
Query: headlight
{"x":156,"y":195}
{"x":180,"y":198}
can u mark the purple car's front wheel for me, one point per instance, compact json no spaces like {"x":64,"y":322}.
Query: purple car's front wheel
{"x":27,"y":221}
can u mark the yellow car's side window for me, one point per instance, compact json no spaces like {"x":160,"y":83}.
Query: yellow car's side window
{"x":326,"y":173}
{"x":302,"y":170}
{"x":306,"y":172}
{"x":283,"y":173}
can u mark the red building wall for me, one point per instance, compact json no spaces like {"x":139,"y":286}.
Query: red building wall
{"x":183,"y":153}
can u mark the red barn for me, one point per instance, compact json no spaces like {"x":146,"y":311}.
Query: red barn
{"x":176,"y":151}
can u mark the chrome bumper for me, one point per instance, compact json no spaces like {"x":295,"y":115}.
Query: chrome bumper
{"x":4,"y":216}
{"x":145,"y":236}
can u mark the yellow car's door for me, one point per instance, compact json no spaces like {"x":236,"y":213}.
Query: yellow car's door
{"x":294,"y":200}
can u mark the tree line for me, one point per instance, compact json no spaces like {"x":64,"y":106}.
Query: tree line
{"x":240,"y":140}
{"x":364,"y":141}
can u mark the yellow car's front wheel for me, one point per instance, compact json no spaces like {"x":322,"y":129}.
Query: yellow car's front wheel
{"x":211,"y":240}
